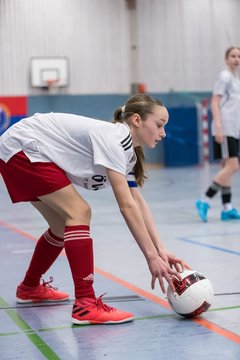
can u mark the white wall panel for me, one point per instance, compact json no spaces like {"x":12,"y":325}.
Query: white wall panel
{"x":92,"y":34}
{"x":180,"y":44}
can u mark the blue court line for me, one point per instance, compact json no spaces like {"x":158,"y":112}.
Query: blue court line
{"x":210,"y":246}
{"x":218,"y":234}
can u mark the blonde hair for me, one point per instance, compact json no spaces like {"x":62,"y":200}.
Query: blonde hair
{"x":141,"y":104}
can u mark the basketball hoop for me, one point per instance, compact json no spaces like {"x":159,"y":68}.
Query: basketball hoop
{"x":52,"y":86}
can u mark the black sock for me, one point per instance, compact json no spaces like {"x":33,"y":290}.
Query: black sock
{"x":226,"y":195}
{"x":213,"y":189}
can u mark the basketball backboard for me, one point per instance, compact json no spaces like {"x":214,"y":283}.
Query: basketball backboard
{"x":49,"y":70}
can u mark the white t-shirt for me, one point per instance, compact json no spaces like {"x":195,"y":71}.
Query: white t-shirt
{"x":228,"y":86}
{"x":82,"y":147}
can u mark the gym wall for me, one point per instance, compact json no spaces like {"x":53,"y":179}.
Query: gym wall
{"x":175,"y":48}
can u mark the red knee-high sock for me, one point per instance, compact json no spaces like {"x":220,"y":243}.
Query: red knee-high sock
{"x":79,"y":251}
{"x":46,"y":251}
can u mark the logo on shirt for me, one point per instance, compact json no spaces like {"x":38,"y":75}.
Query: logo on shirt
{"x":127,"y":142}
{"x":96,"y":182}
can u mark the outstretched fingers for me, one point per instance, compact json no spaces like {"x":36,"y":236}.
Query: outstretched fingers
{"x":161,"y":283}
{"x":162,"y":270}
{"x":178,"y":264}
{"x":168,"y":276}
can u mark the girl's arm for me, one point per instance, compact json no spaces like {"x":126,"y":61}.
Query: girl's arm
{"x":215,"y":107}
{"x":153,"y":232}
{"x":130,"y":211}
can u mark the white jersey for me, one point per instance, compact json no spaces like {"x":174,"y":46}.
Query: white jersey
{"x":83,"y":147}
{"x":228,"y":86}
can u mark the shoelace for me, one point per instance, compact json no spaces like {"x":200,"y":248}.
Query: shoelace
{"x":100,"y":304}
{"x":47,"y":283}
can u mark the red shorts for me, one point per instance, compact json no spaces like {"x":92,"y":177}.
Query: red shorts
{"x":26,"y":180}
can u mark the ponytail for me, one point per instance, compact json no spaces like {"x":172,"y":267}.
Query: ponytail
{"x":139,"y":166}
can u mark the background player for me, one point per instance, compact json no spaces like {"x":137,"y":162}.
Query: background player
{"x":225,"y":107}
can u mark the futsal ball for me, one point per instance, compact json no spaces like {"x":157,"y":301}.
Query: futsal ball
{"x":193,"y":295}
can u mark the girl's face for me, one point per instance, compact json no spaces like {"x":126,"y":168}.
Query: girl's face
{"x":150,"y":131}
{"x":233,"y":59}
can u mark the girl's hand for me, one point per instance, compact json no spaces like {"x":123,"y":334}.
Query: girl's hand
{"x":160,"y":269}
{"x":176,"y":263}
{"x":218,"y":134}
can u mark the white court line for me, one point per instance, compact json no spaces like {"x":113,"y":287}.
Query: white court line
{"x":25,"y":251}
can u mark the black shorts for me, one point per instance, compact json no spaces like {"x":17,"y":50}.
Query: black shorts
{"x":228,"y":149}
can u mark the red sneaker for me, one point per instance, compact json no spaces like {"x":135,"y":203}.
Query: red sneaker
{"x":43,"y":292}
{"x":94,"y":311}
